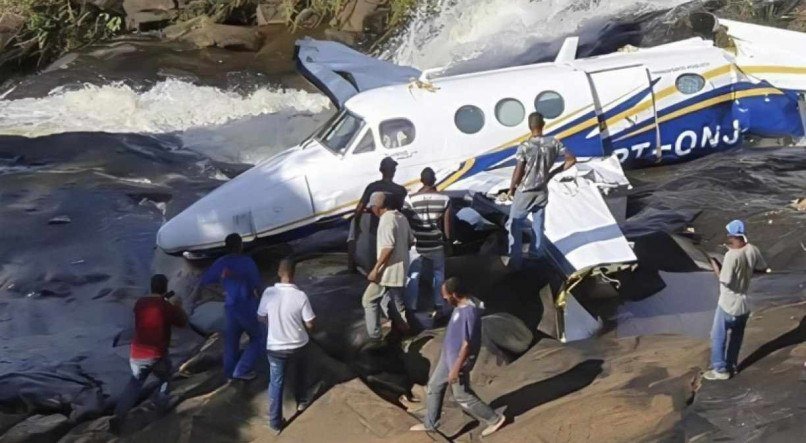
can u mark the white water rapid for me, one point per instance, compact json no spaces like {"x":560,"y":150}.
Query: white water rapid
{"x":471,"y":35}
{"x":169,"y":106}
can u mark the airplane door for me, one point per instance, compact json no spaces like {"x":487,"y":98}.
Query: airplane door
{"x":625,"y":111}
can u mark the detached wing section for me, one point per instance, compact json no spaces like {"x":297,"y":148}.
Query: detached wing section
{"x":341,"y":72}
{"x":580,"y":225}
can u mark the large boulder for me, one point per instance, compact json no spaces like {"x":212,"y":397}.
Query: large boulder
{"x":10,"y":25}
{"x":352,"y":16}
{"x":38,"y":429}
{"x":205,"y":33}
{"x":115,"y":6}
{"x":144,"y":15}
{"x":270,"y":12}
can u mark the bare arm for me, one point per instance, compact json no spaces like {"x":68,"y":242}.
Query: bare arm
{"x":570,"y":160}
{"x":359,"y":211}
{"x":263,"y":319}
{"x":310,"y":325}
{"x":386,"y":254}
{"x":447,"y":223}
{"x":517,"y":176}
{"x":464,"y":353}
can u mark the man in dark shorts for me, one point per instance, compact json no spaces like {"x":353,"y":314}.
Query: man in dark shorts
{"x":386,"y":185}
{"x":459,"y":352}
{"x":154,"y":315}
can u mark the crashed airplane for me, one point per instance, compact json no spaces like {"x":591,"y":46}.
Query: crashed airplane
{"x":635,"y":108}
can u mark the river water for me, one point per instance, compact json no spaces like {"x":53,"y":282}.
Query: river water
{"x":93,"y":161}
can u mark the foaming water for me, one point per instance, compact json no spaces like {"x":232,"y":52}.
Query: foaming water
{"x":469,"y":35}
{"x":169,"y":106}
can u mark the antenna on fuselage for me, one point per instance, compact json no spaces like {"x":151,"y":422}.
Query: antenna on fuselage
{"x":568,"y":51}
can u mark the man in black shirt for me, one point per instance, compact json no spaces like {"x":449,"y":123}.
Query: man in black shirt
{"x":388,"y":187}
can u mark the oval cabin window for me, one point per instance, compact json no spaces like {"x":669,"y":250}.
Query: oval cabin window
{"x":469,"y":119}
{"x":510,"y":112}
{"x":690,"y":83}
{"x":550,"y":104}
{"x":396,"y":133}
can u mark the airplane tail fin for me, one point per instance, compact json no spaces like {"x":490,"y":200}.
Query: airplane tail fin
{"x":772,"y":54}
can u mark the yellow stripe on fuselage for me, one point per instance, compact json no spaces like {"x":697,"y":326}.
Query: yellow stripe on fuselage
{"x":707,"y":103}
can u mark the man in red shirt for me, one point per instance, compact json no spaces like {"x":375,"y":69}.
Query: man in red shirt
{"x":154,"y":315}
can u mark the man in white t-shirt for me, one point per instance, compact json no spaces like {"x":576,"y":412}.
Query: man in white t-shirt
{"x":287,"y":312}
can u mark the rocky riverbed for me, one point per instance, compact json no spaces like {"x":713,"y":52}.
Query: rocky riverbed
{"x":84,"y":188}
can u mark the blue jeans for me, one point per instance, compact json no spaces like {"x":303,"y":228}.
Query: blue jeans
{"x":242,"y":318}
{"x":278,"y":363}
{"x":436,"y":262}
{"x":141,"y":369}
{"x":467,"y":399}
{"x":515,"y":228}
{"x":724,"y":349}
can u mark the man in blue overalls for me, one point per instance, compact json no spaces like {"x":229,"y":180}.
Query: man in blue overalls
{"x":237,"y":273}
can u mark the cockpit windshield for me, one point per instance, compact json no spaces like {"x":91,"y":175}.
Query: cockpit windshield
{"x":338,"y":134}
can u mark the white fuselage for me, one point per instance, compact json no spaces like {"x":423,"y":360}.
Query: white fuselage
{"x":663,"y":104}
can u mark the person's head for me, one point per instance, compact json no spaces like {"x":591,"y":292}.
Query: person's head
{"x":378,"y":202}
{"x":536,"y":123}
{"x":388,"y":168}
{"x":428,"y":177}
{"x":737,"y":236}
{"x":454,"y":291}
{"x":233,"y":244}
{"x":159,"y":284}
{"x":286,"y":270}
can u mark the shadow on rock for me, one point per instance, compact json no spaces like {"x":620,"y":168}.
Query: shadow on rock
{"x":531,"y":396}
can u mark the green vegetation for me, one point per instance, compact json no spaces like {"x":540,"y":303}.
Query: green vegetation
{"x":52,"y":27}
{"x":762,"y":12}
{"x":35,"y":32}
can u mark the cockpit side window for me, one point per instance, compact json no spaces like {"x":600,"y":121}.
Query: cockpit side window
{"x":341,"y":132}
{"x":367,"y":143}
{"x":397,"y":133}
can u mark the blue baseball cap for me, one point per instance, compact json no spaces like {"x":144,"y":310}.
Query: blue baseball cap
{"x":736,"y":229}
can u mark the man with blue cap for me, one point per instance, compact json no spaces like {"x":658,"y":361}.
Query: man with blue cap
{"x":732,"y":311}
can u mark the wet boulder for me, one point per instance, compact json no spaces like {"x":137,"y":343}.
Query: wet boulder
{"x":38,"y":429}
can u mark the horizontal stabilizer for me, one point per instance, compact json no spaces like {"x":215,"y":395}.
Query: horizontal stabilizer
{"x":340,"y":72}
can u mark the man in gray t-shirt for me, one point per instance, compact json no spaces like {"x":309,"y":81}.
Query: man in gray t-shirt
{"x":741,"y":261}
{"x":529,"y":186}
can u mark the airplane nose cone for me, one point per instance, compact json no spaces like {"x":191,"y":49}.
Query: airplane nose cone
{"x":260,"y":202}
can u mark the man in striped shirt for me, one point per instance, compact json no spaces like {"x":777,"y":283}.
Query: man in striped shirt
{"x":428,"y":211}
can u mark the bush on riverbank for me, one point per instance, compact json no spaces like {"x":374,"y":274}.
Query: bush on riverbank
{"x":35,"y":32}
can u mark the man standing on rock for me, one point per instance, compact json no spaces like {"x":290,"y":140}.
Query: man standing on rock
{"x":386,"y":185}
{"x":732,"y":311}
{"x":239,"y":276}
{"x":459,"y":352}
{"x":429,"y":215}
{"x":529,"y":187}
{"x":288,"y":314}
{"x":388,"y":277}
{"x":154,"y":315}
